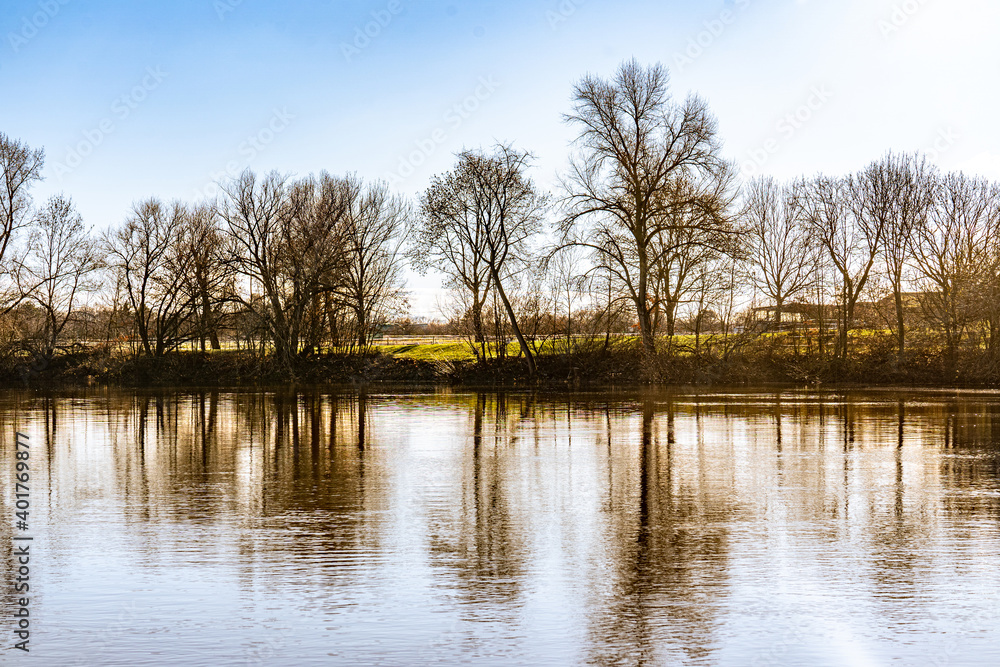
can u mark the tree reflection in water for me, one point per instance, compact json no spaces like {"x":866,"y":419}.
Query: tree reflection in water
{"x":652,"y":529}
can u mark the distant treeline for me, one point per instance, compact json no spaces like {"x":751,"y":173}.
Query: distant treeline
{"x":652,"y":233}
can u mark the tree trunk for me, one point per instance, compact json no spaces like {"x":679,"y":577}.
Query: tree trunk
{"x":477,"y":321}
{"x":569,"y":325}
{"x":646,"y":329}
{"x":845,"y":317}
{"x":528,"y":356}
{"x":208,"y":320}
{"x":671,"y":311}
{"x":52,"y":334}
{"x":143,"y":331}
{"x":642,"y":304}
{"x":362,"y":328}
{"x":900,"y":325}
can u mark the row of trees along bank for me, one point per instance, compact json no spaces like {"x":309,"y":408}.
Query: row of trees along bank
{"x":652,"y":231}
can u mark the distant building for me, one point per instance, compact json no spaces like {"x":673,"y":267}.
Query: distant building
{"x":796,"y":316}
{"x":867,"y":314}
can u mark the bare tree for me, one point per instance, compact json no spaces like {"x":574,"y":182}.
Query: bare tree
{"x":372,"y":280}
{"x":781,"y":264}
{"x":286,"y":243}
{"x":146,"y":258}
{"x":729,"y":274}
{"x":254,"y":211}
{"x":851,"y":244}
{"x":612,"y":311}
{"x":954,"y":245}
{"x":894,"y":195}
{"x":61,"y":259}
{"x":450,"y":239}
{"x":682,"y":252}
{"x":990,"y":290}
{"x":568,"y":279}
{"x":491,"y":210}
{"x":20,"y":167}
{"x":709,"y":286}
{"x":534,"y":303}
{"x":644,"y":160}
{"x":207,"y":279}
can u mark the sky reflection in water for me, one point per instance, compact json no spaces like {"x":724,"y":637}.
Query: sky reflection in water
{"x":311,"y":528}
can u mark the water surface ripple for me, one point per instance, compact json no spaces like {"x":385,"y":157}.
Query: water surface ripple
{"x":316,"y":528}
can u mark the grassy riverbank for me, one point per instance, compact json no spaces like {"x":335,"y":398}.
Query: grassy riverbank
{"x":761,"y":361}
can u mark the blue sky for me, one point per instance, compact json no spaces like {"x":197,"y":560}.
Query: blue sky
{"x":141,"y":98}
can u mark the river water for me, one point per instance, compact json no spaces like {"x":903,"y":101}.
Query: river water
{"x":316,"y":528}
